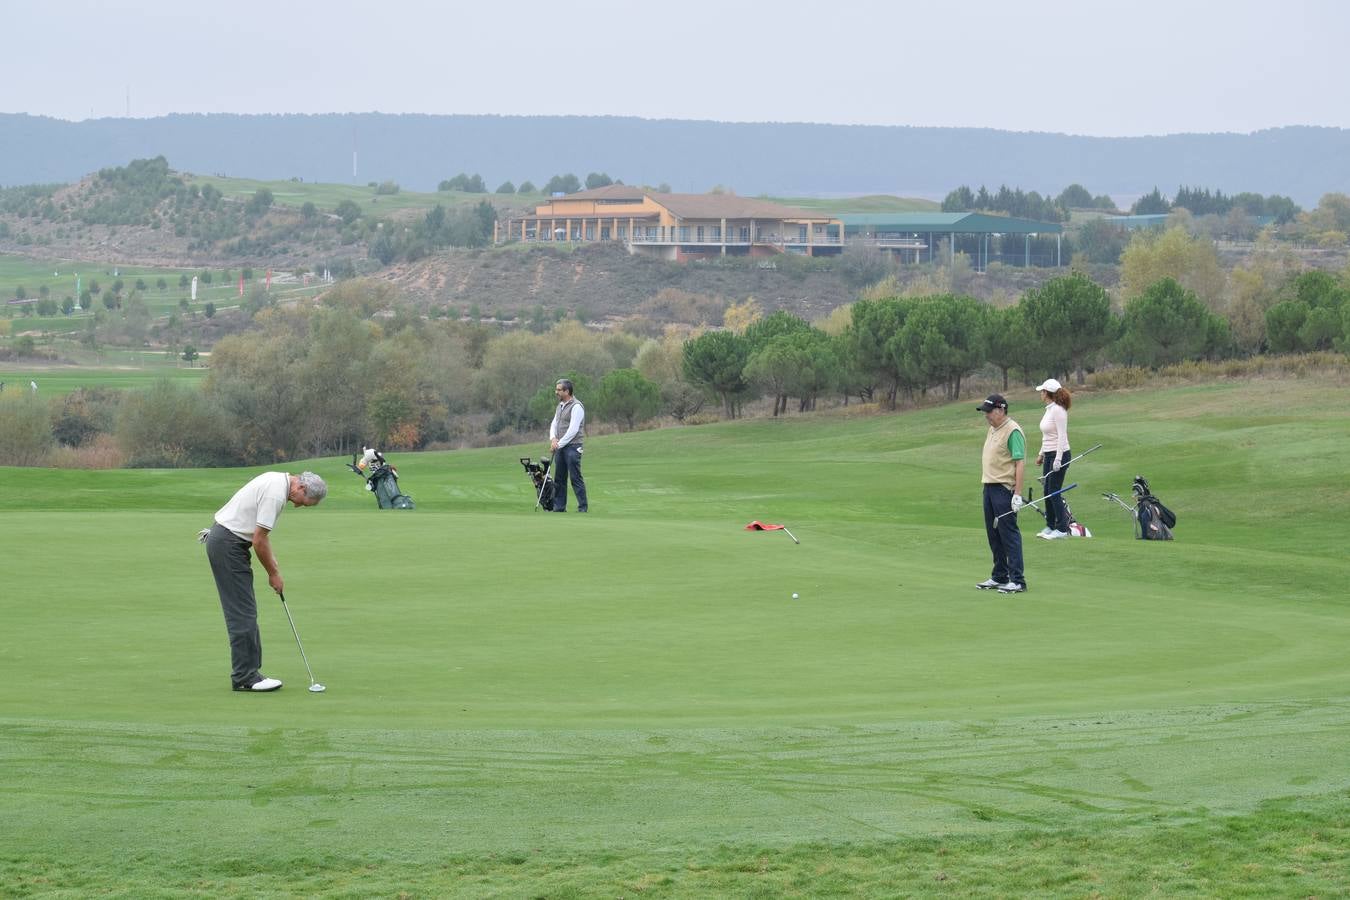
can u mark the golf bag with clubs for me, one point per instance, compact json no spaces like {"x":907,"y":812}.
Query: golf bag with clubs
{"x":381,"y":479}
{"x":542,"y":480}
{"x":1153,"y":521}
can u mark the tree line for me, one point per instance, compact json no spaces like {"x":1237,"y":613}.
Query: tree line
{"x":559,"y":184}
{"x":1197,"y":201}
{"x":360,"y":366}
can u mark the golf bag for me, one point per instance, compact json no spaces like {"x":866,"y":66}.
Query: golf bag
{"x":1076,"y":528}
{"x":381,"y":480}
{"x":1153,"y":521}
{"x":542,"y":481}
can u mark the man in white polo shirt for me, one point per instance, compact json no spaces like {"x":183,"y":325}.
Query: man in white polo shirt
{"x":243,"y":523}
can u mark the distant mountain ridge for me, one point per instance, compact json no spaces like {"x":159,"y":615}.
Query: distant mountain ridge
{"x":781,"y":159}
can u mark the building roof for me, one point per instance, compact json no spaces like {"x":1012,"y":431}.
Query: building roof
{"x":960,"y":223}
{"x":697,"y":206}
{"x":729,"y":206}
{"x":608,"y":192}
{"x":1145,"y":220}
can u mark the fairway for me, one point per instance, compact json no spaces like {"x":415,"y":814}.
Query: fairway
{"x":57,"y":381}
{"x":630,"y":701}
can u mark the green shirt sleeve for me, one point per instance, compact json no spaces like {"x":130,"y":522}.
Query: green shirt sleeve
{"x":1017,"y":445}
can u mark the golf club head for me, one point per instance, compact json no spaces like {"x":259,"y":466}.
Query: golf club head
{"x":317,"y":688}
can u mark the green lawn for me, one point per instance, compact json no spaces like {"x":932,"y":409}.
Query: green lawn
{"x":327,"y":196}
{"x":59,"y":277}
{"x":133,"y":373}
{"x":631,"y":703}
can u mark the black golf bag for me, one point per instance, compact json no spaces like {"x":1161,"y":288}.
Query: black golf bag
{"x":542,"y":481}
{"x":1153,"y":521}
{"x":381,"y":480}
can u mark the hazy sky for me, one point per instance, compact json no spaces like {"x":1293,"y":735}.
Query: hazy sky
{"x":1075,"y":66}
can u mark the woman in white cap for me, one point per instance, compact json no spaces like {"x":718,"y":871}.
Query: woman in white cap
{"x":1054,"y":456}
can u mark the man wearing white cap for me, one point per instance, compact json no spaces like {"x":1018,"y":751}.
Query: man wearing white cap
{"x":1054,"y":456}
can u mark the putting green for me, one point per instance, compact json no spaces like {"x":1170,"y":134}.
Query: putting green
{"x":640,"y":678}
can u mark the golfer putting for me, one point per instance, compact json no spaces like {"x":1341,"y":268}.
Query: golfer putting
{"x":245,"y":523}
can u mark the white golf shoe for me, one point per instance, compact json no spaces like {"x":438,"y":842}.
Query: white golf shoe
{"x":1011,"y":587}
{"x":1055,"y":535}
{"x":989,"y":584}
{"x":261,"y":686}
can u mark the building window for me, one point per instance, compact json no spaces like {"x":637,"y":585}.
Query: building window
{"x":717,"y":232}
{"x":700,"y":234}
{"x":684,"y":234}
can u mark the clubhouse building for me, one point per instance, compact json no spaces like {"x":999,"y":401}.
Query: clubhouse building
{"x":678,"y":227}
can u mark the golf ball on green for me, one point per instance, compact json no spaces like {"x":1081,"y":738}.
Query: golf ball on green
{"x":794,"y":596}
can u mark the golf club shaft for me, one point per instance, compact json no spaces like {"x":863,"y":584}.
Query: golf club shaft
{"x":1033,"y":503}
{"x":297,"y":639}
{"x":552,"y":465}
{"x":1071,"y":462}
{"x":791,"y":535}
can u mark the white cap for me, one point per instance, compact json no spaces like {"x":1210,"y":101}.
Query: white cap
{"x":1049,"y":384}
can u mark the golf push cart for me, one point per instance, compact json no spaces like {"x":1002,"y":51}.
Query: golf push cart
{"x":542,"y":480}
{"x":381,"y":479}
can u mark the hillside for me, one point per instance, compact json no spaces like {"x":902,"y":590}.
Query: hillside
{"x":148,"y":214}
{"x":780,"y":159}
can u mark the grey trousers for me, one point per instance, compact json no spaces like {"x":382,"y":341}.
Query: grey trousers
{"x":232,"y":566}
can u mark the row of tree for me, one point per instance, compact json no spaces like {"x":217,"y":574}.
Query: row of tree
{"x":1197,"y":201}
{"x":1015,"y":202}
{"x":558,"y":184}
{"x":1203,"y":202}
{"x":361,"y":366}
{"x":895,"y":345}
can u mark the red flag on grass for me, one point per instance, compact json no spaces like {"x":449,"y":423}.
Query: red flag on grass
{"x":757,"y":525}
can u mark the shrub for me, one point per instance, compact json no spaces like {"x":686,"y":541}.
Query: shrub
{"x":169,"y":425}
{"x":102,"y":452}
{"x":84,"y":415}
{"x":25,"y":430}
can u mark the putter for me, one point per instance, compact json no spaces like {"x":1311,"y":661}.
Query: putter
{"x":791,"y":535}
{"x":1033,"y":503}
{"x":314,"y":686}
{"x":1071,"y":462}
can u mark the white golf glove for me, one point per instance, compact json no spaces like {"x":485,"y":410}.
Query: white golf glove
{"x":1016,"y":502}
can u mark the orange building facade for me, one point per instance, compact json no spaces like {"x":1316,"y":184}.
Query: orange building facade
{"x":677,"y":227}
